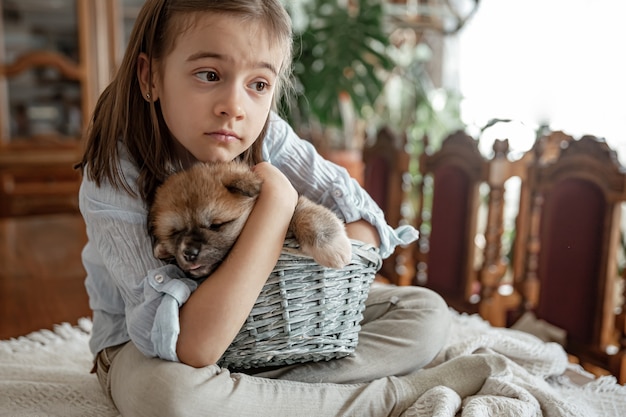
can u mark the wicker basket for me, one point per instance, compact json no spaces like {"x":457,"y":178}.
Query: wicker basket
{"x":305,"y":312}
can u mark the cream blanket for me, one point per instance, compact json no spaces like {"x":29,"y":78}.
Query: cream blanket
{"x":47,"y":374}
{"x":539,"y":380}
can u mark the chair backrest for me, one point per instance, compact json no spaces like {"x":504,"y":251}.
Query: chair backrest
{"x":385,"y":178}
{"x":546,"y":150}
{"x":572,"y":243}
{"x":445,"y":253}
{"x":385,"y":174}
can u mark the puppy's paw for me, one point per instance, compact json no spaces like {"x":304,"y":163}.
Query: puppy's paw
{"x":321,"y":234}
{"x":335,"y":253}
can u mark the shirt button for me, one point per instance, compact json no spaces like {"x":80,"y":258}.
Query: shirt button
{"x":158,"y":278}
{"x":337,"y":193}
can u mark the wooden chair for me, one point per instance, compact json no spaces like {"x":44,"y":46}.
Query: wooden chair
{"x":494,"y":303}
{"x":500,"y":307}
{"x":447,"y":221}
{"x":567,"y":249}
{"x":546,"y":150}
{"x":386,"y":166}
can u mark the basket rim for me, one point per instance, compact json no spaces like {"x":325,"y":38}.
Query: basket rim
{"x":340,"y":338}
{"x":361,"y":249}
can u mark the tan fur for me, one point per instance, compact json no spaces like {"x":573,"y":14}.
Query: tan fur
{"x":198,"y":214}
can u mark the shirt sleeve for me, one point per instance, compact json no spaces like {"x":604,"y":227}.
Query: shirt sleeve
{"x":328,"y":184}
{"x":123,"y":276}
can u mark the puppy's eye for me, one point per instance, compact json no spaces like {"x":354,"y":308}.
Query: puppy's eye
{"x":216,"y":226}
{"x":173,"y":234}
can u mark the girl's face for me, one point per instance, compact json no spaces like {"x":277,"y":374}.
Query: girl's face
{"x":216,"y":86}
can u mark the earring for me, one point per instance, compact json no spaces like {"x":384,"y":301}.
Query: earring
{"x":147,"y":96}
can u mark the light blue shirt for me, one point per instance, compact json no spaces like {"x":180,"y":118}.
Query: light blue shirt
{"x":135,"y":296}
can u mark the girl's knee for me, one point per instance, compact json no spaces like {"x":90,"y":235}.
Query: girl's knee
{"x":426,"y":304}
{"x":160,"y":388}
{"x":425,"y":317}
{"x":412,"y":297}
{"x":415,"y":320}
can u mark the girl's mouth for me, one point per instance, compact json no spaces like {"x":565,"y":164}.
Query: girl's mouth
{"x":224,"y":136}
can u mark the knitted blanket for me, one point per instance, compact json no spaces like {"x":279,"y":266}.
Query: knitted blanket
{"x":47,"y":374}
{"x":539,"y":380}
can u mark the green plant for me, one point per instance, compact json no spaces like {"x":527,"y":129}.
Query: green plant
{"x":353,"y":75}
{"x":340,"y":64}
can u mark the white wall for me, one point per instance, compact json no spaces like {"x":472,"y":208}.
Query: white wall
{"x":556,"y":61}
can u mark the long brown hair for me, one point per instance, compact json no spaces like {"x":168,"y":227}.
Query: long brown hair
{"x":121,"y":113}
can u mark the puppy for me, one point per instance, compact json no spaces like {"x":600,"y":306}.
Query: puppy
{"x":198,"y":214}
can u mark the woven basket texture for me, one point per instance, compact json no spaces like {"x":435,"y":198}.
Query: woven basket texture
{"x":305,"y":312}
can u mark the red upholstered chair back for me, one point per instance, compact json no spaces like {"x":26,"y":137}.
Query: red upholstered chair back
{"x":376,"y":180}
{"x":386,"y":164}
{"x":445,"y":254}
{"x":570,"y":260}
{"x":451,"y":227}
{"x":570,"y":274}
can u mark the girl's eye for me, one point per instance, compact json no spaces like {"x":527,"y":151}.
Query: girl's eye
{"x":259,"y":86}
{"x":207,"y":76}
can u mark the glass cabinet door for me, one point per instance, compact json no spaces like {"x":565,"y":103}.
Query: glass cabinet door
{"x":56,"y":57}
{"x":42,"y":79}
{"x":55,"y":60}
{"x":130,"y":10}
{"x":124,"y":14}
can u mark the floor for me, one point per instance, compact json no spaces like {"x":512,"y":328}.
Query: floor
{"x":41,"y":274}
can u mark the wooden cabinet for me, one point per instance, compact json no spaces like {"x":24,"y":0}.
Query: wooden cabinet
{"x":55,"y":59}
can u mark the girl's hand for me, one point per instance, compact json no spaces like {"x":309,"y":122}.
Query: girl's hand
{"x":275,"y":185}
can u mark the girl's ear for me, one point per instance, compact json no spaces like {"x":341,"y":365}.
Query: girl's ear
{"x":149,"y":91}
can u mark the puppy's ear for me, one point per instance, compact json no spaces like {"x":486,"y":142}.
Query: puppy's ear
{"x":160,"y":252}
{"x":244,"y":183}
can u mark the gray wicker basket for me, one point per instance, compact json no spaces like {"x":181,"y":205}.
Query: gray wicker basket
{"x":305,"y":312}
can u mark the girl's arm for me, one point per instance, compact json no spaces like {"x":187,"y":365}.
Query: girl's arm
{"x":331,"y":185}
{"x":215,"y":312}
{"x":363,"y":231}
{"x":132,"y":294}
{"x":136,"y":296}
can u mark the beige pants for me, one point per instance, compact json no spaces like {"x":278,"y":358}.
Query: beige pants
{"x":403,"y":330}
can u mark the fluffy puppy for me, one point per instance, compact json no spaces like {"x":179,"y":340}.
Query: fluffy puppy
{"x":198,"y":214}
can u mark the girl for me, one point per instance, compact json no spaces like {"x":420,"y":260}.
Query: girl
{"x":198,"y":83}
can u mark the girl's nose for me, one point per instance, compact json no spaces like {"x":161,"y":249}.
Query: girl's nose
{"x":228,"y":104}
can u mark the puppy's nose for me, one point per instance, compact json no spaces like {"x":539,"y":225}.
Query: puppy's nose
{"x":191,"y":253}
